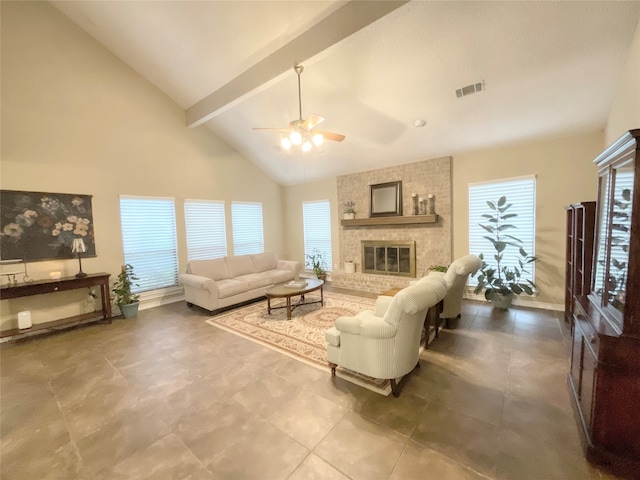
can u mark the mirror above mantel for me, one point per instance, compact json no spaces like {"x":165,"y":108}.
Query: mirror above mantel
{"x":385,"y":199}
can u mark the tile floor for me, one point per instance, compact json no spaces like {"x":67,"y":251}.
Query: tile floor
{"x":167,"y":396}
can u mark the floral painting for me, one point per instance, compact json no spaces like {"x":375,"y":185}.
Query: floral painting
{"x":41,"y":226}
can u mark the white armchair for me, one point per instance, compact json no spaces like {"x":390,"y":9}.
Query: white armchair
{"x":384,"y":343}
{"x":456,"y":278}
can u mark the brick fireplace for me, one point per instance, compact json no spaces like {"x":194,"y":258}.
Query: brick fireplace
{"x":432,"y":241}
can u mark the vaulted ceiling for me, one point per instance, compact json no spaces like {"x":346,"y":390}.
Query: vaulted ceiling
{"x":371,"y":70}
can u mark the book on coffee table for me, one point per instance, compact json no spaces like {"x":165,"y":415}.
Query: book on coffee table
{"x":296,"y":284}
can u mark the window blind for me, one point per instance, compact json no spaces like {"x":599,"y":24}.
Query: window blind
{"x":317,"y":230}
{"x":206,"y":230}
{"x":520,"y":192}
{"x":248,"y":232}
{"x":149,"y":240}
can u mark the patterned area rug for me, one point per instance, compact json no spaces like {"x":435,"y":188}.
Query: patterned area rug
{"x":302,"y":337}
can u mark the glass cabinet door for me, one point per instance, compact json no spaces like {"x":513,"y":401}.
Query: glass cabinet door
{"x":602,"y":249}
{"x":616,"y":284}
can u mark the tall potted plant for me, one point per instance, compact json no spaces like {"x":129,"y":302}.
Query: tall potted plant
{"x":123,"y":297}
{"x":315,"y":260}
{"x":500,"y":282}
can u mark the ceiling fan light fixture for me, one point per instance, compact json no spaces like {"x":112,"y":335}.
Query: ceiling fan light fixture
{"x":285,"y":142}
{"x":317,"y":139}
{"x":306,"y":146}
{"x":296,"y":138}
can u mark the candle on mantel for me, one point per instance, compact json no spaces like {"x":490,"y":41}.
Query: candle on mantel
{"x":430,"y":195}
{"x":55,"y":275}
{"x":414,"y":195}
{"x":421,"y":199}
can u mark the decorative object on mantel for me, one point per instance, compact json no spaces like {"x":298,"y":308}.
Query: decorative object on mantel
{"x":423,"y":208}
{"x":431,"y":204}
{"x":79,"y":247}
{"x":386,"y":199}
{"x":349,"y":212}
{"x":501,"y":282}
{"x":416,"y":208}
{"x":41,"y":226}
{"x":124,"y":298}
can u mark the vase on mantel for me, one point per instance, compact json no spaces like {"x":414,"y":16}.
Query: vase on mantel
{"x":349,"y":216}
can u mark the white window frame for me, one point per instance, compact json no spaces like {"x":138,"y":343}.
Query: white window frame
{"x":316,"y":225}
{"x":521,"y":192}
{"x":247,"y":227}
{"x":205,"y":228}
{"x":149,"y":243}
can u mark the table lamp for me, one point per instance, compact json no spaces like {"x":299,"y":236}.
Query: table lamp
{"x":79,"y":247}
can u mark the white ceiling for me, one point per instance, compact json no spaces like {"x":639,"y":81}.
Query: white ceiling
{"x":550,"y":69}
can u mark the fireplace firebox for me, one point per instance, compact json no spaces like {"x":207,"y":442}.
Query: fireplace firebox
{"x":389,"y":258}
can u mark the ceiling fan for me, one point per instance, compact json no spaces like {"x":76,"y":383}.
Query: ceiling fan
{"x":302,"y":132}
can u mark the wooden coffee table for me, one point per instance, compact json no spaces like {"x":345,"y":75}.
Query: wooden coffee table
{"x":286,"y":292}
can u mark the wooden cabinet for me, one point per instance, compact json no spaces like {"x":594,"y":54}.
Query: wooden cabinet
{"x":579,"y":254}
{"x":605,"y":359}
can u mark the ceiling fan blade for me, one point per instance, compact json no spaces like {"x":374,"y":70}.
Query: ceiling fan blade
{"x":336,"y":137}
{"x":272,"y":129}
{"x":312,"y":121}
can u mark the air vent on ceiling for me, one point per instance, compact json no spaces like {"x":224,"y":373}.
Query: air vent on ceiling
{"x":470,"y":89}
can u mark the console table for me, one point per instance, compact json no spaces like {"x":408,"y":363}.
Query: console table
{"x":39,"y":287}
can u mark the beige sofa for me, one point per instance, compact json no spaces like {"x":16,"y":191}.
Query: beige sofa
{"x":221,"y":282}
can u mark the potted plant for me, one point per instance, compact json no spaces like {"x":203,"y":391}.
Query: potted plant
{"x":315,"y":260}
{"x":123,"y":297}
{"x":348,"y":212}
{"x":500,"y":282}
{"x":438,"y":268}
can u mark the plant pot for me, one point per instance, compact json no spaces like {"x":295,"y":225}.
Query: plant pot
{"x":349,"y":216}
{"x":322,"y":276}
{"x":349,"y":267}
{"x":501,"y":302}
{"x":130,"y":310}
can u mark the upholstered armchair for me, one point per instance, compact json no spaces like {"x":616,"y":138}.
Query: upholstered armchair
{"x":384,"y":342}
{"x":455,"y":278}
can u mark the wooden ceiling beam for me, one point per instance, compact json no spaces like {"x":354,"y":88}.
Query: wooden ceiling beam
{"x":345,"y":21}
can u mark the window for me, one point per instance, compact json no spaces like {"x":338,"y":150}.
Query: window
{"x":206,"y":231}
{"x":248,"y":235}
{"x":521,"y":192}
{"x":316,"y":217}
{"x":149,"y":240}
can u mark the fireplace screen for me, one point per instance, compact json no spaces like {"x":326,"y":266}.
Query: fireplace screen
{"x":389,"y":258}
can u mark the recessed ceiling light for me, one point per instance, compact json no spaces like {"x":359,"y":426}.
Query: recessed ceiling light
{"x":419,"y":123}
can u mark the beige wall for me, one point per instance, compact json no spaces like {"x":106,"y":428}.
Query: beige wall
{"x":565,"y":174}
{"x":75,"y":119}
{"x":625,"y":111}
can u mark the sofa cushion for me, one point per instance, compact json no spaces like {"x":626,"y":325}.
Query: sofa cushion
{"x":240,"y":265}
{"x":230,"y":286}
{"x":255,"y":280}
{"x":278,"y":276}
{"x":215,"y":269}
{"x":264,"y":261}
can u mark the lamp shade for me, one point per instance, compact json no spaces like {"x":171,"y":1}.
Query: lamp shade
{"x":78,"y":246}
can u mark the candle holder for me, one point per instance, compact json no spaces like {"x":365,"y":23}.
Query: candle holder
{"x":431,"y":204}
{"x":416,"y":208}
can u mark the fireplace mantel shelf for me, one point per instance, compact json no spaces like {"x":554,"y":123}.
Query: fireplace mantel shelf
{"x":381,"y":221}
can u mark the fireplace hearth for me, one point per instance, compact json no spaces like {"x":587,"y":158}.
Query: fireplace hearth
{"x":389,"y":258}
